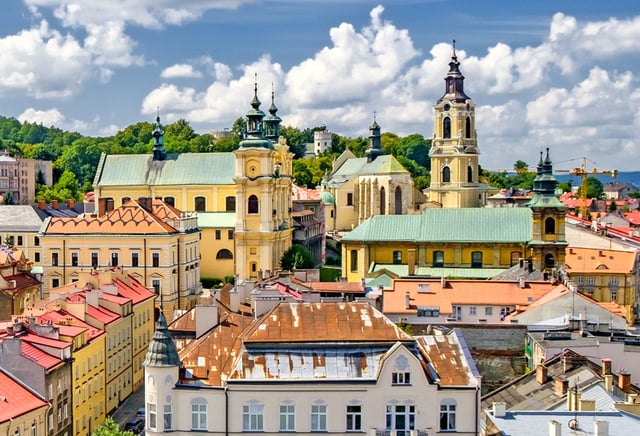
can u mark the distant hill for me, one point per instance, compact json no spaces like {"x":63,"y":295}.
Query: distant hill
{"x":623,"y":177}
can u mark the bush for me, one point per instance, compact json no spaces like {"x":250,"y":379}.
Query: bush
{"x":211,"y":282}
{"x":297,"y":257}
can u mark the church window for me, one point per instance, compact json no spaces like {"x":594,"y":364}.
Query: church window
{"x":476,"y":259}
{"x":224,"y":254}
{"x":253,"y":204}
{"x":438,"y":259}
{"x":446,"y":175}
{"x":383,"y":200}
{"x":467,"y":128}
{"x":350,"y":199}
{"x":170,"y":201}
{"x":397,"y":257}
{"x":230,"y":204}
{"x":549,"y":226}
{"x":354,"y":260}
{"x":200,"y":204}
{"x":446,"y":127}
{"x":469,"y":174}
{"x":398,"y":201}
{"x":549,"y":261}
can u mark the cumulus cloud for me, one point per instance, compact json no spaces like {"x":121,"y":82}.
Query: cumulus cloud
{"x":180,"y":70}
{"x":51,"y":118}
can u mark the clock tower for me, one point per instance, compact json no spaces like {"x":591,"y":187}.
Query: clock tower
{"x":263,"y":229}
{"x":454,"y":149}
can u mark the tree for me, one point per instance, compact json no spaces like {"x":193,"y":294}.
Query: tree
{"x":297,"y":257}
{"x":521,"y":166}
{"x":110,"y":428}
{"x":594,"y":188}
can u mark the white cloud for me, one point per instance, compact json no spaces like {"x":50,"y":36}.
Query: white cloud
{"x":52,"y":118}
{"x":180,"y":70}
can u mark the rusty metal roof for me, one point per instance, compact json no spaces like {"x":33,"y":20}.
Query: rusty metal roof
{"x":446,"y":353}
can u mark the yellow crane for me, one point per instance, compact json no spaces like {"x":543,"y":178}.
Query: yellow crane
{"x":583,"y":173}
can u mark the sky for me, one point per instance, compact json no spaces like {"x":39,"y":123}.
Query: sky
{"x":562,"y":74}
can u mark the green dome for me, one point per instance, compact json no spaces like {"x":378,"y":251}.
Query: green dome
{"x":327,"y":198}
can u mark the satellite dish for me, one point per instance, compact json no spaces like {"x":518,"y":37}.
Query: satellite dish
{"x":573,"y":424}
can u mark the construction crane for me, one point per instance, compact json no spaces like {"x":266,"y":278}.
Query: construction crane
{"x":583,"y":173}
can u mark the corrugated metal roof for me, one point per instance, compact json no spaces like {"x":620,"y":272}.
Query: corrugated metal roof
{"x":448,"y":225}
{"x":176,"y":169}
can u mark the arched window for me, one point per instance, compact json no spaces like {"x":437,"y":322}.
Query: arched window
{"x":200,"y":204}
{"x":398,"y":201}
{"x":469,"y":174}
{"x":446,"y":127}
{"x":549,"y":261}
{"x":224,"y":254}
{"x":549,"y":226}
{"x":438,"y":259}
{"x":515,"y":257}
{"x":448,"y":414}
{"x":253,"y":204}
{"x":476,"y":259}
{"x":446,"y":175}
{"x":467,"y":128}
{"x":170,"y":201}
{"x":230,"y":204}
{"x":383,"y":201}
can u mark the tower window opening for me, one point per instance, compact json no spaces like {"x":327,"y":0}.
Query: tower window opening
{"x":446,"y":175}
{"x":446,"y":127}
{"x":467,"y":128}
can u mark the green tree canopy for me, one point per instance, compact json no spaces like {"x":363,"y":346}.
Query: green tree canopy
{"x":297,"y":257}
{"x":110,"y":428}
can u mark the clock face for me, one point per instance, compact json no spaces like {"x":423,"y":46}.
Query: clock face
{"x":446,"y":107}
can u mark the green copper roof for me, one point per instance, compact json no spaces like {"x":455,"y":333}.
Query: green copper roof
{"x":216,"y":219}
{"x":175,"y":169}
{"x":359,"y":166}
{"x":499,"y":225}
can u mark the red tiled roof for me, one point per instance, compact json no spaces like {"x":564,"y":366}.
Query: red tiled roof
{"x":70,"y":325}
{"x":15,"y":399}
{"x":45,"y":360}
{"x":597,"y":261}
{"x":134,"y":290}
{"x":130,"y":218}
{"x":48,"y":342}
{"x":299,"y":194}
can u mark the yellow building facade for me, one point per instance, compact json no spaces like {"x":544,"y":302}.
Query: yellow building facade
{"x":224,"y":187}
{"x":155,"y":243}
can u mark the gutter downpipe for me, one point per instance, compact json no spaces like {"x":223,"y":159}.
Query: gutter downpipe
{"x":226,"y":411}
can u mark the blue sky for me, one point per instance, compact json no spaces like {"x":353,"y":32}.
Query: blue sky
{"x":562,"y":74}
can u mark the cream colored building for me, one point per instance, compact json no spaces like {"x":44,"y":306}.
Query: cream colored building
{"x":352,"y":371}
{"x":18,"y":177}
{"x":358,"y":188}
{"x":157,"y":244}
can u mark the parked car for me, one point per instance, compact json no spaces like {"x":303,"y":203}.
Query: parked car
{"x":141,"y":413}
{"x":135,"y":426}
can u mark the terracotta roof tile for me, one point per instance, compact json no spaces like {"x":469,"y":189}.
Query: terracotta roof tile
{"x":15,"y":399}
{"x":45,"y":360}
{"x":596,"y":261}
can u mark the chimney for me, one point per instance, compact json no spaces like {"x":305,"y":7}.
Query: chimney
{"x":54,"y":204}
{"x":606,"y":367}
{"x":443,"y":282}
{"x":411,"y":261}
{"x":573,"y":399}
{"x":600,"y":428}
{"x":71,"y":203}
{"x":499,"y":409}
{"x":587,"y":405}
{"x":206,"y":318}
{"x":541,"y":374}
{"x":407,"y":300}
{"x":624,"y":380}
{"x":522,"y":283}
{"x":560,"y":384}
{"x":600,"y":253}
{"x":608,"y":382}
{"x":42,"y":205}
{"x":555,"y":428}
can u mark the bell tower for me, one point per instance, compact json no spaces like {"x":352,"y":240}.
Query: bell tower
{"x":263,"y":229}
{"x":454,"y":148}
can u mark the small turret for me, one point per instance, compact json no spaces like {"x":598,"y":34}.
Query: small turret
{"x":272,"y":121}
{"x":254,"y":134}
{"x":375,"y":148}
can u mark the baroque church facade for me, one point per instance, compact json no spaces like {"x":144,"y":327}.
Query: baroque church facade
{"x":242,"y":199}
{"x":461,"y":238}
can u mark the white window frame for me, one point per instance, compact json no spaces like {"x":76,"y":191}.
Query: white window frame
{"x":401,"y":378}
{"x":287,"y":417}
{"x":448,"y":411}
{"x":319,"y":417}
{"x":406,"y":413}
{"x":199,"y":416}
{"x":253,"y":417}
{"x":153,"y":418}
{"x":354,"y":417}
{"x":167,"y":416}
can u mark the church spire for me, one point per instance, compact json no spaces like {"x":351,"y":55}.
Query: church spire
{"x":375,"y":149}
{"x":454,"y":81}
{"x":162,"y":351}
{"x":272,"y":121}
{"x":544,"y":185}
{"x":158,"y":141}
{"x":254,"y":134}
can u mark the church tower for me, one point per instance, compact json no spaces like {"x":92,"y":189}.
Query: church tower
{"x":548,"y":242}
{"x":263,"y":229}
{"x":454,"y":148}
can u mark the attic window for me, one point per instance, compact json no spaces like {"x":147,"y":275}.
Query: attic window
{"x":601,"y":266}
{"x":431,"y":311}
